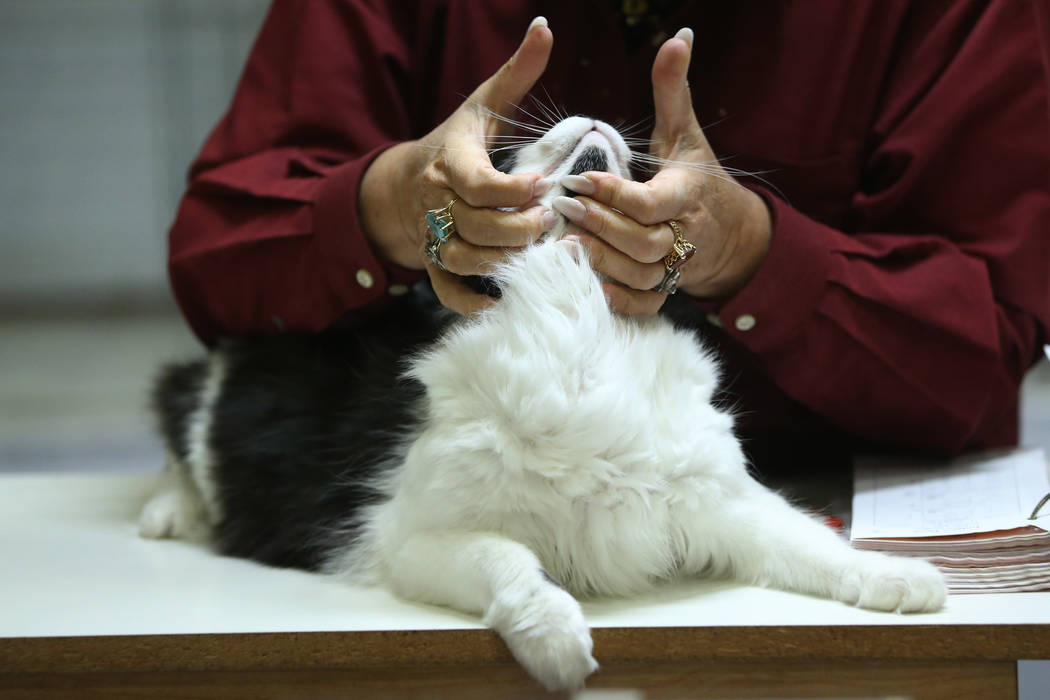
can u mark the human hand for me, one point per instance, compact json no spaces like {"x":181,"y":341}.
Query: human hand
{"x":451,"y":163}
{"x":624,"y":223}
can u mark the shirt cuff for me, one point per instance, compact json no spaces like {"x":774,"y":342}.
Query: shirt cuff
{"x":767,"y":314}
{"x":356,"y":274}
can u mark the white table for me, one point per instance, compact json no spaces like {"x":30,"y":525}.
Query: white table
{"x":86,"y":603}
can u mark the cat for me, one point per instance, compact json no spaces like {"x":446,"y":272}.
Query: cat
{"x":501,"y":464}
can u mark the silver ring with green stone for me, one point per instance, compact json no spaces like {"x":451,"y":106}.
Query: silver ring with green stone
{"x":441,"y":226}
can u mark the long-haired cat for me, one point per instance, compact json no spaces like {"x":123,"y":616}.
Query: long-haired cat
{"x":500,"y":464}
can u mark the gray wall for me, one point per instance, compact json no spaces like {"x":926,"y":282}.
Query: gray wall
{"x":104,"y":104}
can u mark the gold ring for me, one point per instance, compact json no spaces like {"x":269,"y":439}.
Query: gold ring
{"x":681,"y":249}
{"x":440,"y":221}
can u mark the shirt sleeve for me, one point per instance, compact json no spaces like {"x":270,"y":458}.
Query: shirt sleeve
{"x":267,"y":236}
{"x":916,"y":327}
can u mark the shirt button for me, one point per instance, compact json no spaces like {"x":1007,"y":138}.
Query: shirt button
{"x":398,"y":290}
{"x":364,"y":278}
{"x":744,"y":322}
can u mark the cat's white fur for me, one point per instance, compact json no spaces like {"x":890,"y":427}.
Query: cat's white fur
{"x":561,"y":438}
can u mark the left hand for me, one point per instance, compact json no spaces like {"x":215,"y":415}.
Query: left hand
{"x":624,"y":223}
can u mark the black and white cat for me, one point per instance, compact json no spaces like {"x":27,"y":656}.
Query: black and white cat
{"x":500,"y":464}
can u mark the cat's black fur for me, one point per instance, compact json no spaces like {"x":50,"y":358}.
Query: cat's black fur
{"x":303,"y":422}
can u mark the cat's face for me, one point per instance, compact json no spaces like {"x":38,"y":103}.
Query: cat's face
{"x":572,"y":146}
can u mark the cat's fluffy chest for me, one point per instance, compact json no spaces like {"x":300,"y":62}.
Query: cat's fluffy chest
{"x":587,"y":432}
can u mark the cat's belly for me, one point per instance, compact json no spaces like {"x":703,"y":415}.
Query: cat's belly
{"x":617,"y":540}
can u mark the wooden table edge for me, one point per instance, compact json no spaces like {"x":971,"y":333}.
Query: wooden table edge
{"x":476,"y":647}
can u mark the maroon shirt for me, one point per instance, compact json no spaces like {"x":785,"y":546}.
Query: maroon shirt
{"x":905,"y":152}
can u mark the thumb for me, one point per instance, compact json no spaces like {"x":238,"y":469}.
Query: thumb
{"x":675,"y":126}
{"x":516,"y":77}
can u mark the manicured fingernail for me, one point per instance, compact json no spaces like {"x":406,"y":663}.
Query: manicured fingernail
{"x":548,"y":219}
{"x":541,"y":187}
{"x":540,"y":21}
{"x":578,"y":184}
{"x":686,"y":35}
{"x":573,"y":210}
{"x":573,"y":244}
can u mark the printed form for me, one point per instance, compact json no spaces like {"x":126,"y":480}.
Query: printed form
{"x":996,"y":491}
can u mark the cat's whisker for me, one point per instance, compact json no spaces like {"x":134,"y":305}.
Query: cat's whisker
{"x":525,"y":126}
{"x":547,"y":111}
{"x":631,"y":129}
{"x":713,"y":168}
{"x":560,"y":114}
{"x":536,"y":120}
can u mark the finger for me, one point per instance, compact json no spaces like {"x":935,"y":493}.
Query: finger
{"x":468,"y":171}
{"x":617,"y":266}
{"x":466,"y":167}
{"x":664,"y":197}
{"x":631,"y":301}
{"x":497,"y":227}
{"x":462,"y":258}
{"x":516,"y":77}
{"x":453,"y":294}
{"x":646,"y":243}
{"x":676,"y":129}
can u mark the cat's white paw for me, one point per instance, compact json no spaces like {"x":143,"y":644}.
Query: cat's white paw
{"x":169,"y":514}
{"x":548,"y":635}
{"x":880,"y":582}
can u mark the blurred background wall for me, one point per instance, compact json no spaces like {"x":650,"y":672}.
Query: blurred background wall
{"x":105,"y":102}
{"x":104,"y":105}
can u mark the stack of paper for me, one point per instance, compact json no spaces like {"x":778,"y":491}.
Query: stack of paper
{"x":969,"y":517}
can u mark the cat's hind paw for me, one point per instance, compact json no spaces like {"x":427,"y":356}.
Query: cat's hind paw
{"x":893,"y":584}
{"x":549,"y":636}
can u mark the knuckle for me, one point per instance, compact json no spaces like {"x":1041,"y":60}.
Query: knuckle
{"x":595,"y":255}
{"x":452,"y":255}
{"x":432,"y":178}
{"x":595,"y":222}
{"x":655,"y":246}
{"x":653,"y":276}
{"x":646,"y":208}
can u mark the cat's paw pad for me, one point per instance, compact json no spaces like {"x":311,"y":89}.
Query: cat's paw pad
{"x":880,"y":582}
{"x":549,"y":636}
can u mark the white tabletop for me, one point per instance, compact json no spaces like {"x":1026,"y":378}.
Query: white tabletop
{"x":71,"y":564}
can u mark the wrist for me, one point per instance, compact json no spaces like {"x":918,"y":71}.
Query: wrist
{"x":751,"y":243}
{"x":380,"y":209}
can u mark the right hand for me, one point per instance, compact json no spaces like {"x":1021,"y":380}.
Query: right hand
{"x":452,"y":162}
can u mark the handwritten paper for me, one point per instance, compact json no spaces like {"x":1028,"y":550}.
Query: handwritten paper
{"x":997,"y":491}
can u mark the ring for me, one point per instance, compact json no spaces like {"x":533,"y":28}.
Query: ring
{"x":441,"y":226}
{"x":433,"y":251}
{"x":681,"y":250}
{"x":669,"y":283}
{"x":440,"y":221}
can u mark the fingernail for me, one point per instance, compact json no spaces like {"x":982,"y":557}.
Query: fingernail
{"x":578,"y":184}
{"x":573,"y":210}
{"x":686,"y":35}
{"x":541,"y":187}
{"x":573,"y":244}
{"x":540,"y":21}
{"x":548,"y":219}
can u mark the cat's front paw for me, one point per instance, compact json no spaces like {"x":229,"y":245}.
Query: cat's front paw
{"x":170,"y":513}
{"x":548,"y":635}
{"x":880,"y":582}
